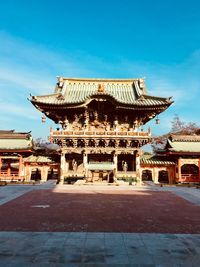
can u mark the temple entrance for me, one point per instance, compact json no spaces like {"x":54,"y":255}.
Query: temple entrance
{"x":126,"y":163}
{"x":111,"y":177}
{"x":100,"y":168}
{"x":190,"y":172}
{"x":101,"y":176}
{"x":163,"y":177}
{"x":190,"y":169}
{"x":147,"y":175}
{"x":52,"y":174}
{"x":36,"y":174}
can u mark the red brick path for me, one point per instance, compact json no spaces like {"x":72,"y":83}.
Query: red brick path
{"x":102,"y":211}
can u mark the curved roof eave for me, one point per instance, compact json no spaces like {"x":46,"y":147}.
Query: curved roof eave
{"x":139,"y":103}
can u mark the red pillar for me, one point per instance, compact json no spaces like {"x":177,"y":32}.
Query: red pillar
{"x":9,"y":169}
{"x":0,"y":163}
{"x":179,"y":170}
{"x":20,"y":166}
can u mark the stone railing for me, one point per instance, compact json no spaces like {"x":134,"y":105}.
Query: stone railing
{"x":126,"y":175}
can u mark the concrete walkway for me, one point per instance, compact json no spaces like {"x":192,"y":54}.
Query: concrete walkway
{"x":189,"y":193}
{"x":10,"y":192}
{"x":21,"y":249}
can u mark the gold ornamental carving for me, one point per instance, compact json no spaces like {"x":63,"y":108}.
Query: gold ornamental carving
{"x":101,"y":88}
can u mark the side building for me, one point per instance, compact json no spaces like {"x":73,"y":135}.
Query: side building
{"x":178,"y":162}
{"x":101,"y":125}
{"x":14,"y":147}
{"x":184,"y":150}
{"x":20,"y":161}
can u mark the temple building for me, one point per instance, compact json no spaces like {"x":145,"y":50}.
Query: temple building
{"x":20,"y":160}
{"x":100,"y":132}
{"x":14,"y":147}
{"x":184,"y":150}
{"x":178,"y":162}
{"x":158,"y":169}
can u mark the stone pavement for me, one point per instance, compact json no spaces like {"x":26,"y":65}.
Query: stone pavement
{"x":10,"y":192}
{"x":75,"y":249}
{"x":24,"y":249}
{"x":189,"y":193}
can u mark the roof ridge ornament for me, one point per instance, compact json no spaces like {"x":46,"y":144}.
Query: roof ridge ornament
{"x":60,"y":81}
{"x":101,"y":88}
{"x":169,"y":99}
{"x":141,"y":83}
{"x":60,"y":96}
{"x":141,"y":98}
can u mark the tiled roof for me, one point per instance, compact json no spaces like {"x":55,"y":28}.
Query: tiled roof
{"x":10,"y":140}
{"x":15,"y":144}
{"x":77,"y":91}
{"x":11,"y":134}
{"x":185,"y":138}
{"x":183,"y":143}
{"x":6,"y":132}
{"x":186,"y":146}
{"x":155,"y":160}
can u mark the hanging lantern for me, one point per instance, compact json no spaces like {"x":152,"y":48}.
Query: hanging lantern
{"x":157,"y":120}
{"x":43,"y":119}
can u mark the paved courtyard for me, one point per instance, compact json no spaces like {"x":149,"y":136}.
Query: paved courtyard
{"x":100,"y":210}
{"x":48,"y":225}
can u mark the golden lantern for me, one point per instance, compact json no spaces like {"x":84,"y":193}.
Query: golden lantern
{"x":157,"y":120}
{"x":43,"y":119}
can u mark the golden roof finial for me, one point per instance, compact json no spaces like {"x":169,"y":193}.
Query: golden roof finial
{"x":101,"y":88}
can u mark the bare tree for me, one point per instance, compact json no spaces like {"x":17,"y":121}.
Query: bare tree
{"x":44,"y":147}
{"x":178,"y":127}
{"x":181,"y":127}
{"x":176,"y":124}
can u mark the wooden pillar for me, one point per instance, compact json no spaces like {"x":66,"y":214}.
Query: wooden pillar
{"x":85,"y":159}
{"x":108,"y":176}
{"x":155,"y":174}
{"x":62,"y":168}
{"x":20,"y":174}
{"x":169,"y":171}
{"x":9,"y":168}
{"x":115,"y":161}
{"x":0,"y":163}
{"x":137,"y":167}
{"x":44,"y":173}
{"x":179,"y":169}
{"x":27,"y":172}
{"x":85,"y":162}
{"x":171,"y":174}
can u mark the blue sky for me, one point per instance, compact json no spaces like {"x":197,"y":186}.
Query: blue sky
{"x":39,"y":40}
